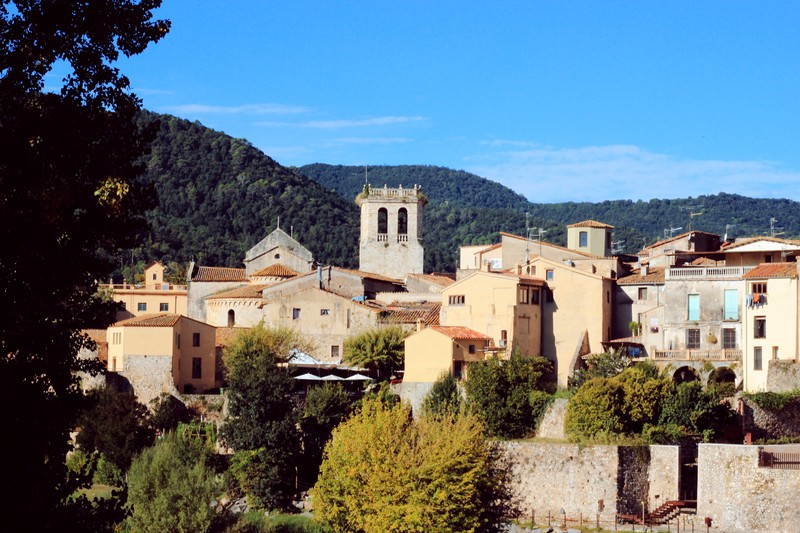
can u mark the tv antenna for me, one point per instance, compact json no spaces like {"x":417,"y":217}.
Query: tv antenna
{"x":774,"y":230}
{"x":617,"y":247}
{"x":669,"y":232}
{"x":527,"y":239}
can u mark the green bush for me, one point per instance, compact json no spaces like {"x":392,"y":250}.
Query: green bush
{"x":108,"y":473}
{"x":773,"y":401}
{"x":444,"y":398}
{"x":540,"y":402}
{"x":596,"y":408}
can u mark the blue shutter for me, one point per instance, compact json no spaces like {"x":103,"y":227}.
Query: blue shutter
{"x":694,"y":307}
{"x":731,"y":304}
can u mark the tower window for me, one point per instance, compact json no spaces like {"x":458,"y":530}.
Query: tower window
{"x":383,"y":220}
{"x":583,"y":239}
{"x":402,"y":221}
{"x":231,"y":318}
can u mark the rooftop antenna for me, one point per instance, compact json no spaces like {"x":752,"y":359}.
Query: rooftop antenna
{"x":727,"y":227}
{"x":291,"y":232}
{"x":366,"y":181}
{"x":774,"y":230}
{"x":669,"y":232}
{"x":527,"y":239}
{"x":617,"y":247}
{"x":691,"y":218}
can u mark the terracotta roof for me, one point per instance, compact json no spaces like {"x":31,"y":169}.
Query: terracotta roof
{"x":460,"y":333}
{"x":427,"y":313}
{"x":773,"y":270}
{"x":248,"y":291}
{"x":675,"y":238}
{"x":368,"y":275}
{"x":654,"y":275}
{"x":439,"y":279}
{"x":97,"y":335}
{"x":206,"y":273}
{"x":163,"y":320}
{"x":551,"y":245}
{"x":276,"y":271}
{"x":589,"y":224}
{"x":492,"y":247}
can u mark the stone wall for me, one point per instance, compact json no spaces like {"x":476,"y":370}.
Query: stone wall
{"x":663,"y":474}
{"x":150,"y":375}
{"x":412,"y":393}
{"x":765,"y":424}
{"x":741,"y":497}
{"x":552,"y":424}
{"x":783,"y":376}
{"x":632,"y":479}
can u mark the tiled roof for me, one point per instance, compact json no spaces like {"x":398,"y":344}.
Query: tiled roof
{"x":773,"y":270}
{"x":368,"y":275}
{"x":460,"y":333}
{"x":248,"y":291}
{"x":205,"y":273}
{"x":438,"y":279}
{"x":427,"y":313}
{"x":550,"y":244}
{"x":675,"y":238}
{"x":163,"y":320}
{"x":589,"y":224}
{"x":97,"y":335}
{"x":276,"y":271}
{"x":654,"y":275}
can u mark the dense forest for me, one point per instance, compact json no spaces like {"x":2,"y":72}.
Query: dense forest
{"x":218,"y":196}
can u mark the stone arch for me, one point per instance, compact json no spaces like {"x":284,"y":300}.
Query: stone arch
{"x":685,"y":374}
{"x":402,"y":221}
{"x":722,"y":375}
{"x":231,"y":318}
{"x":383,"y":220}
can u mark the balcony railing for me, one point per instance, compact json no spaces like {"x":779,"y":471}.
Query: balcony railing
{"x":698,"y":355}
{"x":676,"y":273}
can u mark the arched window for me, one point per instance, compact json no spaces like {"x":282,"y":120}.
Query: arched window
{"x":402,"y":221}
{"x":383,"y":220}
{"x":231,"y":318}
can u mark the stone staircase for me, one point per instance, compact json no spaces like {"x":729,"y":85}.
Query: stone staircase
{"x":663,"y":514}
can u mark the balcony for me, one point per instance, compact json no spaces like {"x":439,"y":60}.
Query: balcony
{"x":684,"y":273}
{"x":698,"y":355}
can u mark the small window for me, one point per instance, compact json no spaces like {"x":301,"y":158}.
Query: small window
{"x":231,"y":318}
{"x":693,"y":307}
{"x":195,"y":339}
{"x":178,"y":340}
{"x":760,"y":328}
{"x":774,"y":352}
{"x":535,"y":296}
{"x":456,"y":299}
{"x":768,"y":258}
{"x":608,"y":297}
{"x":757,"y":363}
{"x":549,"y":275}
{"x":163,"y":307}
{"x":728,"y":339}
{"x":197,"y":368}
{"x":583,"y":239}
{"x":277,"y":256}
{"x":642,"y":293}
{"x":692,"y":339}
{"x":758,"y":288}
{"x":324,"y":312}
{"x":335,"y":351}
{"x":458,"y":369}
{"x":523,"y":295}
{"x":154,"y":277}
{"x":296,"y":313}
{"x":141,"y":307}
{"x":471,"y":348}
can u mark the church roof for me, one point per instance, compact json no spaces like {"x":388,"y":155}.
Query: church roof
{"x":276,"y":271}
{"x":248,"y":291}
{"x":206,"y":273}
{"x":278,"y":238}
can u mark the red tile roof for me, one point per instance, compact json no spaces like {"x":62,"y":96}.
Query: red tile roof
{"x":589,"y":224}
{"x":205,"y":273}
{"x":773,"y":270}
{"x":654,"y":275}
{"x":248,"y":291}
{"x":277,"y":271}
{"x":427,"y":313}
{"x":163,"y":320}
{"x":460,"y":333}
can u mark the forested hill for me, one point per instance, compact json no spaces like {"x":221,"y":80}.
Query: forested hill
{"x":218,"y":196}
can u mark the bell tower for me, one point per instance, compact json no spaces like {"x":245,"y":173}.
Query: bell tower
{"x":391,"y":231}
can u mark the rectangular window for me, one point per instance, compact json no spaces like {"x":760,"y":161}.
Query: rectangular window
{"x":141,"y":307}
{"x":731,"y":305}
{"x":178,"y":340}
{"x":295,"y":313}
{"x":728,"y":339}
{"x":549,"y":275}
{"x":164,"y":308}
{"x":758,"y":288}
{"x":583,"y":239}
{"x":535,"y":296}
{"x":760,"y":328}
{"x":195,"y":339}
{"x":197,"y":368}
{"x":456,"y":299}
{"x":757,"y":358}
{"x":458,"y":367}
{"x":523,"y":295}
{"x":335,"y":351}
{"x":324,"y":312}
{"x":471,"y":348}
{"x":113,"y":364}
{"x":774,"y":352}
{"x":642,"y":293}
{"x":693,"y":307}
{"x":692,"y":339}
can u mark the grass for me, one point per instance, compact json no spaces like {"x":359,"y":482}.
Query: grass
{"x":97,"y":491}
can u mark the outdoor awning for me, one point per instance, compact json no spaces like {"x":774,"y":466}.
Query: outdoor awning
{"x":308,"y":377}
{"x":331,"y":377}
{"x":358,"y":377}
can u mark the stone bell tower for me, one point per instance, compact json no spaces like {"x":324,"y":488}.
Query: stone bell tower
{"x":391,"y":231}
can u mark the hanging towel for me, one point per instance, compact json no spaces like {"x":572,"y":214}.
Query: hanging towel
{"x":749,"y":300}
{"x":756,"y":298}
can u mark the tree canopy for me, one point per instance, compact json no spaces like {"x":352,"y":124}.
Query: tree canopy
{"x":381,"y":350}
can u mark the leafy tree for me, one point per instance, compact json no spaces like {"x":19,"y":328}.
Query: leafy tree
{"x":69,"y":198}
{"x":168,"y":412}
{"x":601,"y":365}
{"x":597,"y":408}
{"x":171,"y":486}
{"x":324,"y":408}
{"x":383,"y":471}
{"x":498,"y":391}
{"x":444,"y":398}
{"x":645,"y":393}
{"x":116,"y":425}
{"x":381,"y":350}
{"x":696,"y":411}
{"x":262,"y":426}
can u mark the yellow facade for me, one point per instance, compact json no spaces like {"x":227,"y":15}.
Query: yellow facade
{"x":154,"y":297}
{"x":439,"y":350}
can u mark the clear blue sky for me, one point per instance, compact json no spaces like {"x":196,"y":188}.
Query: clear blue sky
{"x":585,"y":100}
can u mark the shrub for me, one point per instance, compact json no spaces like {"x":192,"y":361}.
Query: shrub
{"x":444,"y":398}
{"x":381,"y":350}
{"x":596,"y":408}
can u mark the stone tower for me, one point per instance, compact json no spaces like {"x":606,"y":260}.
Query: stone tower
{"x":391,"y":231}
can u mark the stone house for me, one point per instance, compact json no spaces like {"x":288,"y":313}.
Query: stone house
{"x":153,"y":296}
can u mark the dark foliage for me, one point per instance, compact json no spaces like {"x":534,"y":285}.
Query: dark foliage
{"x":444,"y":398}
{"x":324,"y":408}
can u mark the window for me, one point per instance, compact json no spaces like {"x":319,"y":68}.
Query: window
{"x":195,"y":339}
{"x":231,"y":318}
{"x":731,"y":305}
{"x":402,"y":221}
{"x":760,"y":328}
{"x":692,"y":339}
{"x":757,"y":358}
{"x":122,"y":305}
{"x":335,"y":351}
{"x":456,"y":299}
{"x":642,"y":293}
{"x":774,"y":352}
{"x":549,"y":275}
{"x":608,"y":297}
{"x":693,"y":307}
{"x":178,"y":340}
{"x":163,"y":307}
{"x":324,"y":312}
{"x":523,"y":295}
{"x":141,"y":307}
{"x":758,"y":288}
{"x":535,"y":296}
{"x":583,"y":239}
{"x":197,"y":368}
{"x":768,"y":258}
{"x":154,"y":276}
{"x":277,"y":256}
{"x":383,"y":220}
{"x":458,"y":369}
{"x":471,"y":348}
{"x":113,"y":364}
{"x":728,"y":339}
{"x":295,"y":313}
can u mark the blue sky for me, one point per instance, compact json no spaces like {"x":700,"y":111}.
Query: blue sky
{"x":559,"y":100}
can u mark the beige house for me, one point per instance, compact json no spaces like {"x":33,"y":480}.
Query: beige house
{"x":756,"y":250}
{"x":590,"y":237}
{"x":438,"y":350}
{"x":770,"y":321}
{"x":502,"y":306}
{"x":162,"y":353}
{"x":153,"y":296}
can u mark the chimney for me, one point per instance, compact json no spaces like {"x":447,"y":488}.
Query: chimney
{"x":519,"y":270}
{"x":420,"y":325}
{"x":645,"y":269}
